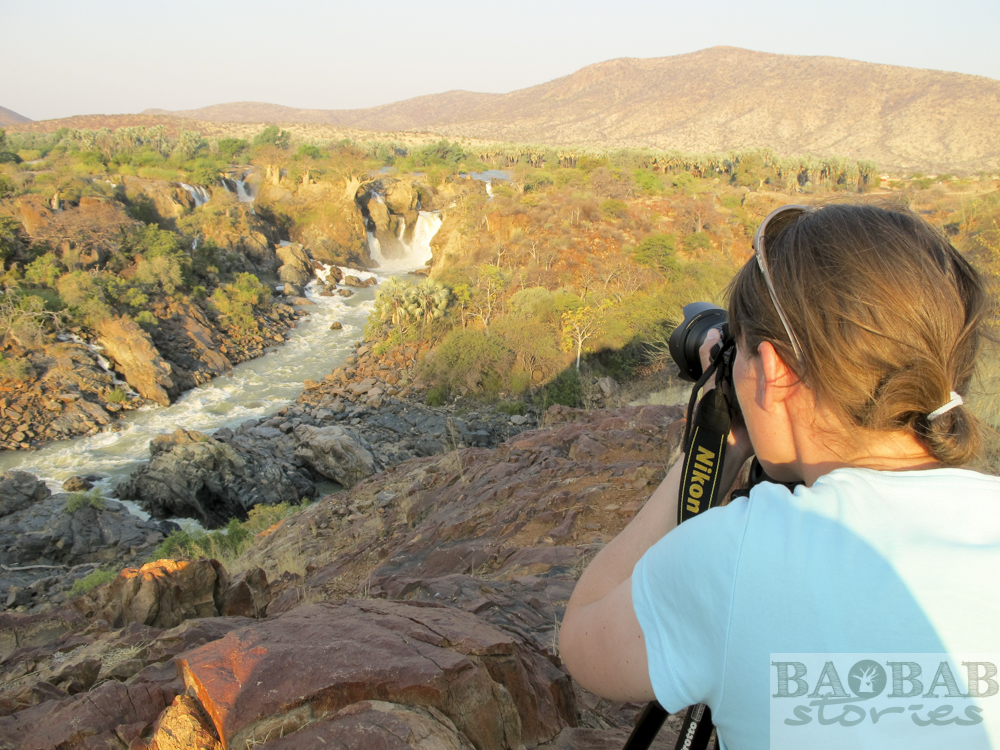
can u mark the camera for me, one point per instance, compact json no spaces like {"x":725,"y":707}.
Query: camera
{"x":688,"y":337}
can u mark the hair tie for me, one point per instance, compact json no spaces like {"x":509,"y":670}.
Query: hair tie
{"x":956,"y":400}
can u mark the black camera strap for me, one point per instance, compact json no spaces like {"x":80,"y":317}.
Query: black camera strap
{"x":705,"y":437}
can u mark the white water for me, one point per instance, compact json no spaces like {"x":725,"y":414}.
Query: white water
{"x":418,"y":249}
{"x":244,"y":195}
{"x":199,"y":194}
{"x":96,"y":349}
{"x":254,"y":389}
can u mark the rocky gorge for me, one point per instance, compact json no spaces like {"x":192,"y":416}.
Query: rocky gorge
{"x":418,"y":609}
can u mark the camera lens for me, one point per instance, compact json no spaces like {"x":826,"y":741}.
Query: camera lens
{"x":687,"y":338}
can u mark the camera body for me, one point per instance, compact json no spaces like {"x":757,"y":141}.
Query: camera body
{"x":687,"y":339}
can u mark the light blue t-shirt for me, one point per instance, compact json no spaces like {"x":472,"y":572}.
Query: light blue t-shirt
{"x":862,"y":564}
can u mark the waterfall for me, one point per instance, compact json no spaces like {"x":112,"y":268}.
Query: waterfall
{"x":242,"y":193}
{"x":489,"y":188}
{"x":199,"y":194}
{"x":96,"y":349}
{"x":418,"y":249}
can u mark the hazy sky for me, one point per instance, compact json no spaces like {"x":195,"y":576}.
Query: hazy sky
{"x":66,"y":57}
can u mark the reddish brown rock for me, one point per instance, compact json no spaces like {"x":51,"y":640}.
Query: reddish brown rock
{"x":314,"y":661}
{"x":86,"y":720}
{"x":165,"y":593}
{"x":378,"y":725}
{"x":183,"y":727}
{"x":247,"y":596}
{"x":140,"y":362}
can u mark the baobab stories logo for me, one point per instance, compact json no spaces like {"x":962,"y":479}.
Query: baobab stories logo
{"x":910,"y":701}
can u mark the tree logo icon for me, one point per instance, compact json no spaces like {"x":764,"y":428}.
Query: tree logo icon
{"x":867,"y":679}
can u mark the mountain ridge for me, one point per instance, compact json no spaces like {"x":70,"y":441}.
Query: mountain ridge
{"x":10,"y":117}
{"x":717,"y":99}
{"x":711,"y":101}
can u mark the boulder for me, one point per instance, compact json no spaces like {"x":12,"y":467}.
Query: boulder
{"x":140,"y":362}
{"x":276,"y":677}
{"x":401,"y":198}
{"x":182,"y":727}
{"x":18,"y":490}
{"x":336,"y":325}
{"x":77,"y":484}
{"x":296,"y":265}
{"x":379,"y":214}
{"x":335,"y":453}
{"x":351,"y":280}
{"x":164,"y":593}
{"x":194,"y":476}
{"x":292,"y":289}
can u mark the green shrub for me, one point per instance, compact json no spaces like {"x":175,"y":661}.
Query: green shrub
{"x":614,"y":209}
{"x":14,"y":368}
{"x":566,"y":389}
{"x":237,"y":300}
{"x":511,"y":407}
{"x":698,"y":241}
{"x":92,"y":580}
{"x":116,"y":396}
{"x":436,"y":396}
{"x":225,"y":545}
{"x":77,"y":500}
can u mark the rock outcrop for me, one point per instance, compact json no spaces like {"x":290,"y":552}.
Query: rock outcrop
{"x":309,"y":664}
{"x":463,"y":562}
{"x":46,"y":542}
{"x":214,"y":480}
{"x":297,"y":267}
{"x":140,"y":362}
{"x":164,"y":593}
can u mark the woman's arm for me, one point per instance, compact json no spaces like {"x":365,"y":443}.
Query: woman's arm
{"x":600,"y":640}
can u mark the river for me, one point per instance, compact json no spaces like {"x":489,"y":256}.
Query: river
{"x":253,"y":389}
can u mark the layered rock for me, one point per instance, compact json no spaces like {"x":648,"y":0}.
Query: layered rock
{"x":46,"y":543}
{"x":196,"y":476}
{"x":274,"y":678}
{"x":296,"y":265}
{"x":140,"y":362}
{"x":164,"y":593}
{"x":465,"y":562}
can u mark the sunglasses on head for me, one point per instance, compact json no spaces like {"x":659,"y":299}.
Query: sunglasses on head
{"x":772,"y":225}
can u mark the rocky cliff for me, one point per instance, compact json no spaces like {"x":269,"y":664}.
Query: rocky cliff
{"x":420,"y":610}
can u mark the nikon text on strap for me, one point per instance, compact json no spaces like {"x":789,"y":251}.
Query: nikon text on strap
{"x":705,"y":438}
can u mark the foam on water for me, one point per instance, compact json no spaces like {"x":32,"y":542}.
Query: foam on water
{"x":253,"y":389}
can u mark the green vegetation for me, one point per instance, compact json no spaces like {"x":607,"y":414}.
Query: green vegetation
{"x":226,"y":545}
{"x":573,"y":270}
{"x":77,"y":500}
{"x":92,"y":580}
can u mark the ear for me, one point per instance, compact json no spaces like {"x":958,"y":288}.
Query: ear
{"x":776,"y":381}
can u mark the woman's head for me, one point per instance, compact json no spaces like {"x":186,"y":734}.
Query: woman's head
{"x":886,"y":314}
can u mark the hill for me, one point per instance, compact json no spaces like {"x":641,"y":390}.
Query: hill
{"x":709,"y":101}
{"x":10,"y":117}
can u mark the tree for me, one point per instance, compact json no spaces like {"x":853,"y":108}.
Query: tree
{"x":23,"y":319}
{"x":581,"y":325}
{"x":272,"y":135}
{"x":657,"y":251}
{"x":486,"y":300}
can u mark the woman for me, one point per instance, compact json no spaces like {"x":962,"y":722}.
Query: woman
{"x":857,"y":329}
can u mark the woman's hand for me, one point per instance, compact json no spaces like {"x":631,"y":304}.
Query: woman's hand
{"x":739,"y":447}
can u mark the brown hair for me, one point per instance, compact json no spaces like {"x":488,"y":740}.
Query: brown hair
{"x":888,"y":314}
